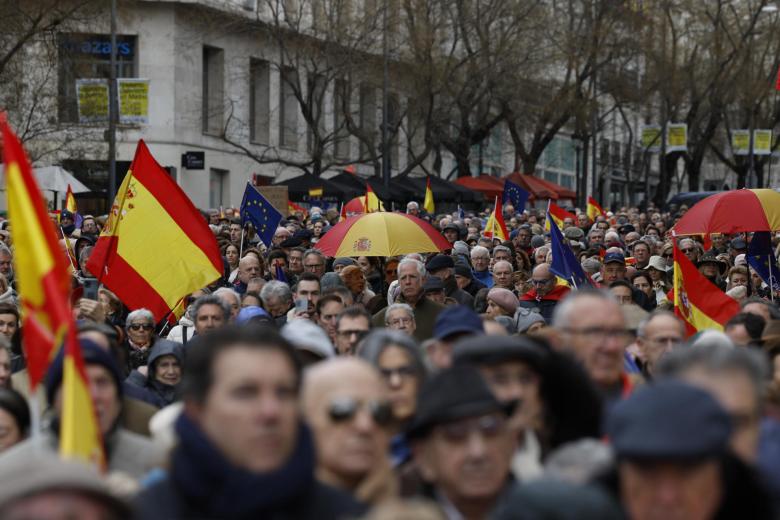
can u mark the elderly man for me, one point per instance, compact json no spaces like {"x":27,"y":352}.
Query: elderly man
{"x":89,"y":226}
{"x":242,"y":450}
{"x":230,"y":298}
{"x":295,"y":260}
{"x":502,"y":275}
{"x":412,"y":208}
{"x":352,"y":325}
{"x":6,"y":264}
{"x":690,"y":248}
{"x":657,"y":335}
{"x":346,"y":404}
{"x":400,"y":316}
{"x":248,"y":268}
{"x":411,"y":278}
{"x":673,"y":461}
{"x":595,"y":237}
{"x":501,"y":253}
{"x":462,"y":443}
{"x":480,"y":259}
{"x":592,"y":327}
{"x":280,"y":235}
{"x":545,"y":294}
{"x":127,"y":452}
{"x":277,"y":300}
{"x":642,"y":253}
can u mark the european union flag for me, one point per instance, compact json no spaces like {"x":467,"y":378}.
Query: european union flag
{"x":461,"y":213}
{"x":263,"y":216}
{"x":564,"y":262}
{"x":760,"y":257}
{"x":516,"y":195}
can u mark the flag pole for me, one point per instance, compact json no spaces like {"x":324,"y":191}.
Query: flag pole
{"x":241,"y":247}
{"x":68,"y":249}
{"x":771,"y":276}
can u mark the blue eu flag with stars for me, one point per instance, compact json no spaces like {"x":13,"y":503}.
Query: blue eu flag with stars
{"x":564,"y":262}
{"x":760,"y":257}
{"x":516,"y":195}
{"x":263,"y":216}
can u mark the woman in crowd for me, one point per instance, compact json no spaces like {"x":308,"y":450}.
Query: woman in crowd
{"x":738,"y":276}
{"x":163,"y":374}
{"x":372,"y":269}
{"x":642,"y":281}
{"x":656,"y":270}
{"x":230,"y":252}
{"x":355,"y":281}
{"x":140,"y":337}
{"x":501,"y":302}
{"x":111,"y":305}
{"x":14,"y":418}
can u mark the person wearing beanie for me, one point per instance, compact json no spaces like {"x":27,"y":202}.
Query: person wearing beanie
{"x":443,"y":266}
{"x":528,"y":321}
{"x":465,"y":279}
{"x":126,"y":452}
{"x":501,"y":302}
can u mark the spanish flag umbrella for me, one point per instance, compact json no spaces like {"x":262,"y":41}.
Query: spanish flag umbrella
{"x":735,"y":211}
{"x":381,"y":234}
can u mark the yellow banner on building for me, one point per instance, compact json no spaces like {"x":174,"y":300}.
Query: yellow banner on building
{"x":651,"y":138}
{"x":676,"y":137}
{"x":92,"y":96}
{"x":762,"y":142}
{"x":133,"y":100}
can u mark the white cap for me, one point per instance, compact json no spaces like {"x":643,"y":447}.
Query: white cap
{"x":305,"y":335}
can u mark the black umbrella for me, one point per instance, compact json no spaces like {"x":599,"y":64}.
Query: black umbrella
{"x":305,"y":188}
{"x":396,"y":193}
{"x":443,"y":190}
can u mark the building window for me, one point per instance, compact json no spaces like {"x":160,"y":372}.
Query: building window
{"x":219,"y":188}
{"x":86,"y":56}
{"x":340,"y":106}
{"x":368,"y":124}
{"x":259,"y":101}
{"x":213,"y":89}
{"x":393,"y":117}
{"x":316,"y":88}
{"x":288,"y":108}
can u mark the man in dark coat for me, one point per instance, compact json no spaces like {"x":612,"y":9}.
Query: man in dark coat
{"x":243,"y":450}
{"x":443,"y":266}
{"x":545,"y":294}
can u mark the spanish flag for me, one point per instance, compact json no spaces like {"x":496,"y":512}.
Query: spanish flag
{"x":70,"y":200}
{"x":292,"y":208}
{"x":594,"y":210}
{"x":700,"y":303}
{"x":372,"y":202}
{"x":495,"y":227}
{"x":558,"y":214}
{"x":156,"y":247}
{"x":40,"y":266}
{"x":428,"y":202}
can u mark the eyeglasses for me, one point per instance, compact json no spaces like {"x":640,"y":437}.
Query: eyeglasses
{"x":487,"y":426}
{"x":686,"y":251}
{"x":344,"y":409}
{"x":348,"y":333}
{"x":403,"y":372}
{"x":541,"y":282}
{"x":139,"y":326}
{"x":312,"y":266}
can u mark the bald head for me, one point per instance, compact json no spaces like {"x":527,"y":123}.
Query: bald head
{"x":248,"y":268}
{"x":339,"y":376}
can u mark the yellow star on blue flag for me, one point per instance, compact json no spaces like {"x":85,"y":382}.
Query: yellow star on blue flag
{"x":264,"y":217}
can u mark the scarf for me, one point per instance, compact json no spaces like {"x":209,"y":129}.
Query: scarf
{"x":220,"y":490}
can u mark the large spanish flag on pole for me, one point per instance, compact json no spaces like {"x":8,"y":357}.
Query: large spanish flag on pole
{"x":40,"y":266}
{"x":156,"y":247}
{"x":700,"y":303}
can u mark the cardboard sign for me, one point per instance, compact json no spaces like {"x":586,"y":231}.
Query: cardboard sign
{"x":277,"y":196}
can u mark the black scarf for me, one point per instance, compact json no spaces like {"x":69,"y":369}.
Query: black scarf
{"x":220,"y":490}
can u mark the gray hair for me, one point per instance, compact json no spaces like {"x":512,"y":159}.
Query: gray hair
{"x":579,"y":461}
{"x":774,"y":312}
{"x":641,"y":329}
{"x":716,"y":359}
{"x":85,"y":252}
{"x":398,"y":306}
{"x":144,"y":314}
{"x":498,"y":248}
{"x":562,"y":313}
{"x":379,"y":340}
{"x":209,"y":299}
{"x":417,"y":265}
{"x":480,"y":250}
{"x":313,"y":251}
{"x":230,"y":292}
{"x":276,"y":289}
{"x":5,"y":250}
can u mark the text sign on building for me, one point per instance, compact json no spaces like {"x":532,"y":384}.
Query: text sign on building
{"x":193,"y":160}
{"x":92,"y":100}
{"x":133,"y":100}
{"x":676,"y":137}
{"x":651,"y":138}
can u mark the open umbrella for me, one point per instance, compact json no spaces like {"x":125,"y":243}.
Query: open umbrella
{"x":381,"y":234}
{"x":735,"y":211}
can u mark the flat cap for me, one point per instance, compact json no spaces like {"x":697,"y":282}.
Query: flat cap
{"x":669,"y":420}
{"x":573,"y":233}
{"x":463,"y":270}
{"x":440,"y":262}
{"x":433,"y":284}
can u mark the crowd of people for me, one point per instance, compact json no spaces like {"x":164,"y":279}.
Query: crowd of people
{"x":465,"y":384}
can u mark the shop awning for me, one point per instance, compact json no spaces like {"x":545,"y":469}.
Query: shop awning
{"x":537,"y":189}
{"x":490,"y":187}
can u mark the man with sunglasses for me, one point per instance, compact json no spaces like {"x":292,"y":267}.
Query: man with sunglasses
{"x":462,"y":443}
{"x":345,"y":403}
{"x":545,"y":293}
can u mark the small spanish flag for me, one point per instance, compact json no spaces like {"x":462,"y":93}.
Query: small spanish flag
{"x":495,"y":227}
{"x":594,"y":210}
{"x":371,"y":202}
{"x":699,"y":302}
{"x":428,"y":201}
{"x":558,"y":214}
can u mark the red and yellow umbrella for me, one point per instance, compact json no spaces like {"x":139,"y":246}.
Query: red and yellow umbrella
{"x":381,"y":234}
{"x":734,"y":211}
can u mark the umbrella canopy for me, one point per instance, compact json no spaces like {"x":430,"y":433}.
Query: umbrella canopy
{"x":483,"y":184}
{"x":303,"y":187}
{"x":735,"y":211}
{"x":56,"y":179}
{"x":531,"y":184}
{"x":443,"y":190}
{"x":381,"y":234}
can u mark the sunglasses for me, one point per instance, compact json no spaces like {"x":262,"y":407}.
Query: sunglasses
{"x":686,"y":250}
{"x":139,"y":326}
{"x":344,"y":409}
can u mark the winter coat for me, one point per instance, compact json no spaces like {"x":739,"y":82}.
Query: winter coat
{"x":183,"y":332}
{"x":425,"y":312}
{"x":155,"y":392}
{"x":546,"y":304}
